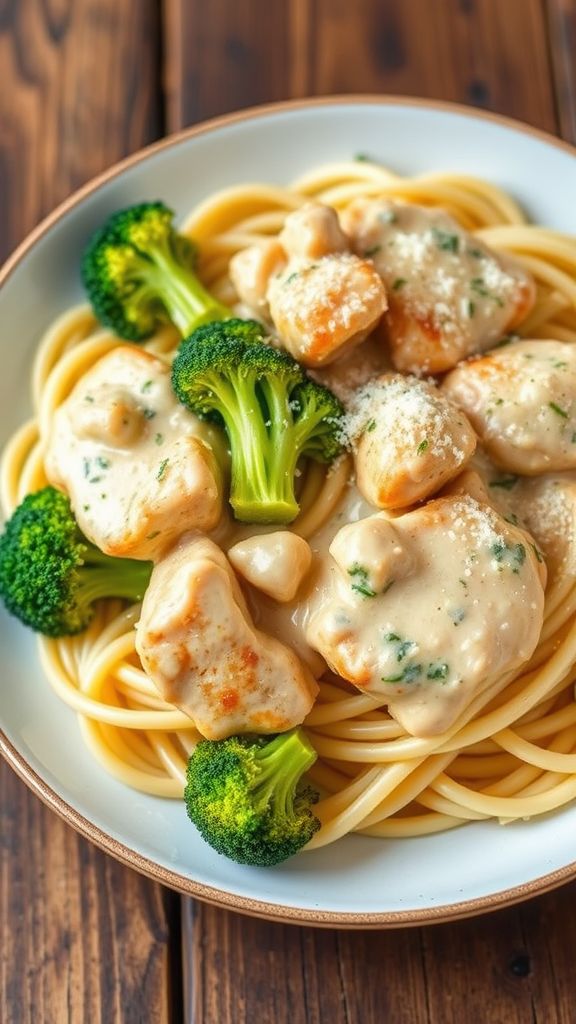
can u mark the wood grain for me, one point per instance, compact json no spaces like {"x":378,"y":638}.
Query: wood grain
{"x":79,"y":91}
{"x":562,"y":37}
{"x":475,"y":51}
{"x":511,"y":967}
{"x":81,"y":938}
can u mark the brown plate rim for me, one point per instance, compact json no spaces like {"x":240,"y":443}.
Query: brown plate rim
{"x":106,"y":842}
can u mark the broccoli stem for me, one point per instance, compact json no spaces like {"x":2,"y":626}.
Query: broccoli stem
{"x":187,"y":302}
{"x":103,"y":576}
{"x":282,"y":763}
{"x":262,"y":470}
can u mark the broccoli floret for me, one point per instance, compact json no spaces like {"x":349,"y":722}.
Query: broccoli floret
{"x":138,"y":273}
{"x":246,"y":798}
{"x":50,"y":575}
{"x":272,"y":411}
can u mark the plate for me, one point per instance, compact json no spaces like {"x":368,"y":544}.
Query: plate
{"x":359,"y":882}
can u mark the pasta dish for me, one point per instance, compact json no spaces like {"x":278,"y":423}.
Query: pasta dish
{"x":346,"y":500}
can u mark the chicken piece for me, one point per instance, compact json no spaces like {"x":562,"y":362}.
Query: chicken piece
{"x":313,"y":231}
{"x":276,"y":563}
{"x":199,"y":646}
{"x":408,"y":440}
{"x":139,"y":468}
{"x":429,"y":609}
{"x":544,"y":506}
{"x":250,"y":272}
{"x":449,"y":294}
{"x":521,"y":400}
{"x":325,"y":308}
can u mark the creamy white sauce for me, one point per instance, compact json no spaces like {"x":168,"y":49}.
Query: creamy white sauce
{"x":139,"y":468}
{"x":449,"y":294}
{"x":426,"y":607}
{"x":521,"y":400}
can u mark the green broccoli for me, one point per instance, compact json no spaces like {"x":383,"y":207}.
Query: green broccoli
{"x":50,"y":575}
{"x":246,"y":799}
{"x":272,"y":411}
{"x":138,"y":273}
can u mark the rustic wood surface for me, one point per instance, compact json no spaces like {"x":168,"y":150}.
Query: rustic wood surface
{"x":84,"y":82}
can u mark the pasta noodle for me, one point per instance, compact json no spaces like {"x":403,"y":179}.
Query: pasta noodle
{"x":513,"y":753}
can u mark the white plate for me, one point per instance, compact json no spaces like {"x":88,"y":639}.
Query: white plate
{"x":359,"y":882}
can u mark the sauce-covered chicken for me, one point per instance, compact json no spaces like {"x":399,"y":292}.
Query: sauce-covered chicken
{"x":409,"y":440}
{"x":199,"y":646}
{"x":449,"y":294}
{"x":321,"y":299}
{"x":429,"y":608}
{"x":521,"y":399}
{"x":275,"y":563}
{"x":138,"y":467}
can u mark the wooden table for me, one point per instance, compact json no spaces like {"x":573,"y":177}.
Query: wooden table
{"x":82,"y":83}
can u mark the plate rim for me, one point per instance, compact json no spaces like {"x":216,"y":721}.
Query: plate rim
{"x":42,"y":789}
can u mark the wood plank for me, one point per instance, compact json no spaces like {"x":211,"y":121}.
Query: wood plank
{"x":81,"y":938}
{"x":464,"y":50}
{"x":79,"y":91}
{"x":562,"y":32}
{"x":513,"y":966}
{"x":236,"y":57}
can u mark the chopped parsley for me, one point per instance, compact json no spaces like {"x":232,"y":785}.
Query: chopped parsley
{"x":361,"y":158}
{"x":407,"y":675}
{"x":373,"y":250}
{"x":291,"y":277}
{"x":146,"y":386}
{"x":88,"y":398}
{"x":422,"y":446}
{"x":158,"y":438}
{"x":149,"y":414}
{"x":438,"y":670}
{"x":103,"y":462}
{"x":538,"y":554}
{"x":478,"y":285}
{"x":558,"y":410}
{"x":151,"y":536}
{"x":445,"y":241}
{"x":162,"y":469}
{"x":398,"y":284}
{"x":471,"y":308}
{"x":360,"y":576}
{"x":505,"y":482}
{"x":514,"y":555}
{"x":370,"y":426}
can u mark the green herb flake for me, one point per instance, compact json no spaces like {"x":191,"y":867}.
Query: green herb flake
{"x":149,"y":414}
{"x":151,"y":536}
{"x":387,"y":217}
{"x":478,"y":286}
{"x":398,"y":284}
{"x":88,"y":398}
{"x":471,"y":308}
{"x":361,"y":158}
{"x":438,"y":670}
{"x":158,"y":438}
{"x":514,"y":555}
{"x":291,"y":277}
{"x":360,"y":576}
{"x":103,"y":462}
{"x":445,"y":241}
{"x":372,"y":251}
{"x":476,"y":253}
{"x":146,"y":386}
{"x":408,"y":675}
{"x":506,"y":483}
{"x":558,"y":410}
{"x":162,"y":469}
{"x":422,"y":446}
{"x":370,"y":426}
{"x":537,"y":553}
